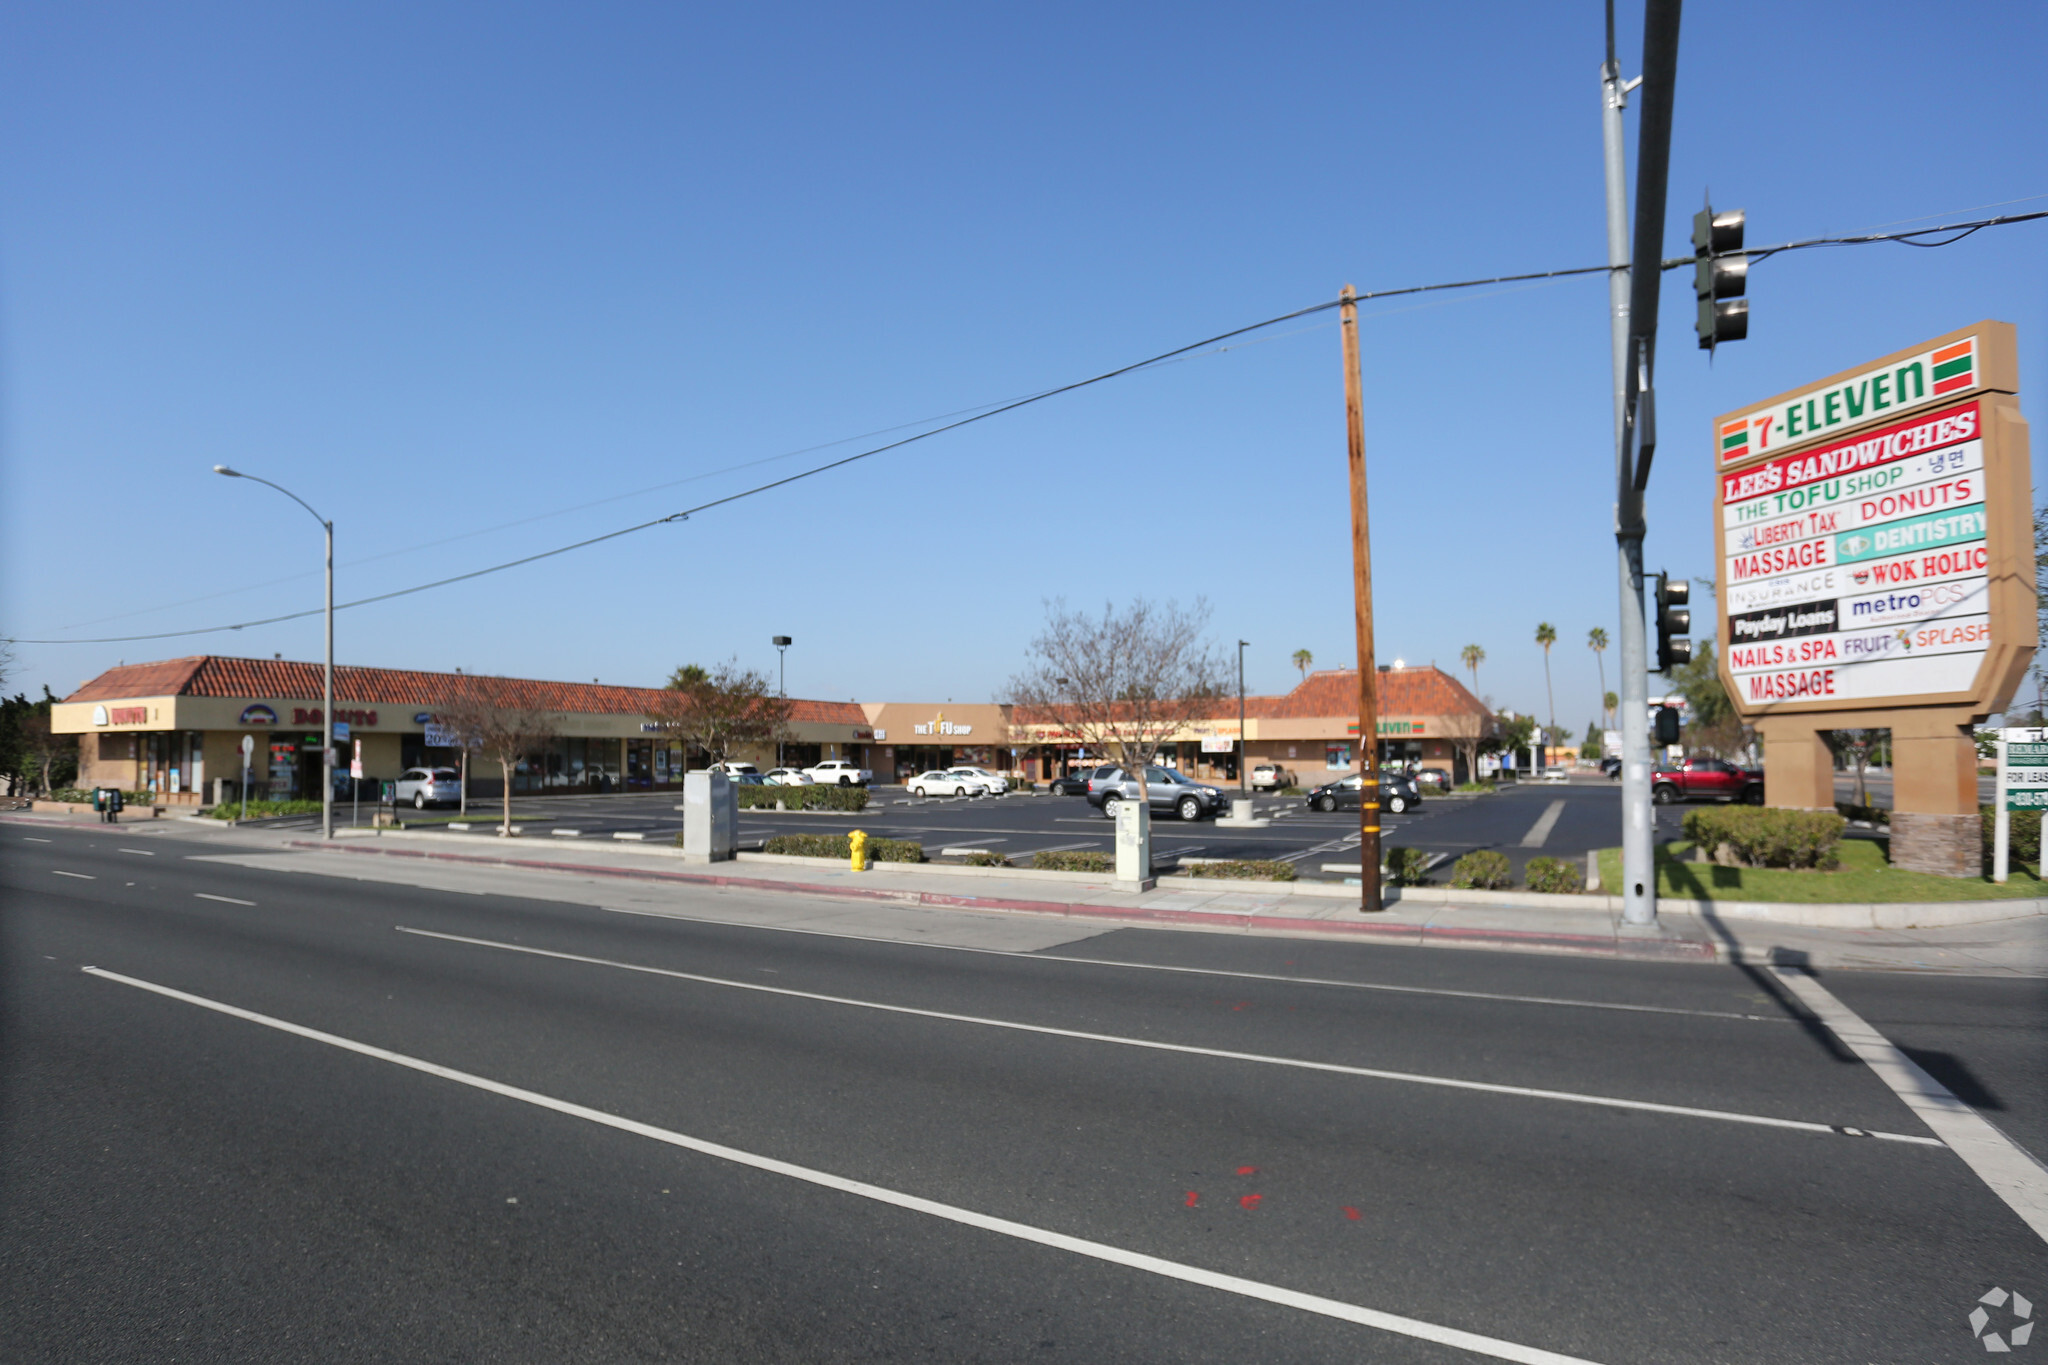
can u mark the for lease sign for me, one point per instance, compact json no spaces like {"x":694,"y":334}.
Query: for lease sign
{"x":1880,"y":392}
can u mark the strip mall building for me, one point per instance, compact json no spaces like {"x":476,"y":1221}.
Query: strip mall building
{"x":176,"y":726}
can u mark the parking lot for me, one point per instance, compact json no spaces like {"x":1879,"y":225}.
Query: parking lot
{"x":1559,"y":819}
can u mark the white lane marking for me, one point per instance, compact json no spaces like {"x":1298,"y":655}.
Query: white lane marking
{"x":30,"y":838}
{"x":1545,"y":823}
{"x":1215,"y":971}
{"x":953,"y":1213}
{"x":1186,"y":1049}
{"x":2011,"y":1171}
{"x":84,"y":877}
{"x":229,"y":900}
{"x":139,"y":852}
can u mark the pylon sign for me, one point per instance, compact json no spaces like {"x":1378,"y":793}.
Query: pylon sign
{"x":1875,"y":538}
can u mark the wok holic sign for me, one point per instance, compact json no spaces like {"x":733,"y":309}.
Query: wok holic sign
{"x":1874,"y":535}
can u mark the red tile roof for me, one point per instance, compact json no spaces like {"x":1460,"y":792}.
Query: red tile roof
{"x":209,"y":675}
{"x":1333,"y":694}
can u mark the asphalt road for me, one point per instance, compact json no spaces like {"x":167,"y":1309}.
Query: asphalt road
{"x":1517,"y":821}
{"x":842,"y":1148}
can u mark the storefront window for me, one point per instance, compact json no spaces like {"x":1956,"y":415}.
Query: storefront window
{"x":1337,"y":756}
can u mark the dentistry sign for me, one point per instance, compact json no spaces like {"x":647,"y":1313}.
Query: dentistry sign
{"x":1875,"y":537}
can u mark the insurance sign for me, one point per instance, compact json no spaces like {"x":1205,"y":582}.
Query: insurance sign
{"x":1869,"y":536}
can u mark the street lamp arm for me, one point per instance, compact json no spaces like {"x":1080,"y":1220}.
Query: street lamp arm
{"x":258,"y":478}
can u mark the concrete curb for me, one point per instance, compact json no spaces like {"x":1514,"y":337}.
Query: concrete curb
{"x":1664,"y":949}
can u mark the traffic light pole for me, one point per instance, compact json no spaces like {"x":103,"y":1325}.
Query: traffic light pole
{"x":1634,"y":332}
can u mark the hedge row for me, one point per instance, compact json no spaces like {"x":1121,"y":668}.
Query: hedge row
{"x":841,"y":846}
{"x":816,"y":796}
{"x":232,"y":810}
{"x":83,"y":796}
{"x":1869,"y":815}
{"x":1759,"y":836}
{"x":1245,"y":869}
{"x":2023,"y":837}
{"x":1073,"y":860}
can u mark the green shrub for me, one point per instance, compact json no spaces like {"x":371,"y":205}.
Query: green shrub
{"x":1483,"y":869}
{"x":83,"y":796}
{"x":1404,"y":866}
{"x":1246,"y":869}
{"x":841,"y":846}
{"x":1869,"y":815}
{"x":1073,"y":860}
{"x":1476,"y":787}
{"x":2023,"y":837}
{"x":986,"y":860}
{"x":1554,"y":876}
{"x":232,"y":810}
{"x":816,"y":796}
{"x":1758,"y":836}
{"x":1291,"y":790}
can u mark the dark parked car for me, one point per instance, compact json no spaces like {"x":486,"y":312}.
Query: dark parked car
{"x":1611,"y":767}
{"x":1168,"y":790}
{"x":1073,"y":784}
{"x":1398,"y":792}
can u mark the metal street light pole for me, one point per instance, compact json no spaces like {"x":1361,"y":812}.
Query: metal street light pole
{"x":1243,"y":757}
{"x":782,"y":644}
{"x":327,"y":677}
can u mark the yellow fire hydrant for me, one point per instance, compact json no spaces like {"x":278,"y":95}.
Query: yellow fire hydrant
{"x":859,"y":841}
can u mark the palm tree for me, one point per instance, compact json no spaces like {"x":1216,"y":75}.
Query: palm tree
{"x":1596,"y":640}
{"x":1612,"y":702}
{"x":1546,"y":635}
{"x":1302,"y":659}
{"x":1473,"y":656}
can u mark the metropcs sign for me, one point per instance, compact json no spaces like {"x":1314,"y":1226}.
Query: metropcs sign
{"x":1870,"y":560}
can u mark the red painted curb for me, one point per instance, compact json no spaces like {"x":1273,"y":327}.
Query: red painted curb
{"x":1420,"y":935}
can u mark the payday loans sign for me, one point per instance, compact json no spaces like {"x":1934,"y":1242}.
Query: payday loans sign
{"x":1874,"y":535}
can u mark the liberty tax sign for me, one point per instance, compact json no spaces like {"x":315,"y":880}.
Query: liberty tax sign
{"x":1875,"y":535}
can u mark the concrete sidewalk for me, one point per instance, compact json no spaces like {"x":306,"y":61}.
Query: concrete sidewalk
{"x":2011,"y":947}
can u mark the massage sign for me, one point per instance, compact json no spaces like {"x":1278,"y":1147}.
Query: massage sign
{"x":1875,"y":536}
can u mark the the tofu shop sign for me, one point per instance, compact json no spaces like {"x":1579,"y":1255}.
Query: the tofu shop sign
{"x":939,"y":725}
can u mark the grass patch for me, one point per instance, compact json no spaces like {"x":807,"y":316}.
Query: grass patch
{"x":232,"y":810}
{"x":1244,"y":869}
{"x":1865,"y":874}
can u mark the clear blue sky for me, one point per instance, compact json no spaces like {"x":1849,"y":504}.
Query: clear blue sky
{"x":439,"y":268}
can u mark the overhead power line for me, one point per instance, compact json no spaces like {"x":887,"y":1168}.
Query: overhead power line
{"x":1957,"y":232}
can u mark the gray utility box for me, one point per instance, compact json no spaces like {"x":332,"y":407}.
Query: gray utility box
{"x":711,"y":818}
{"x":1134,"y":846}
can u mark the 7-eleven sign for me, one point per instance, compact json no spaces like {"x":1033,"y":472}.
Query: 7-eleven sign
{"x":1881,"y":392}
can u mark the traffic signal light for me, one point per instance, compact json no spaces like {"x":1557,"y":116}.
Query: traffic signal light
{"x":1673,"y":621}
{"x":1720,"y":274}
{"x":1667,"y":731}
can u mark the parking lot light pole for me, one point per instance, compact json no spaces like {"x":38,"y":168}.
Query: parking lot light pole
{"x":782,"y":644}
{"x":327,"y":680}
{"x":1242,"y":756}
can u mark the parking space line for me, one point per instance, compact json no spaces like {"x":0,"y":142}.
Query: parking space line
{"x":81,"y":876}
{"x":1187,"y":1049}
{"x":228,"y":900}
{"x":1545,"y":823}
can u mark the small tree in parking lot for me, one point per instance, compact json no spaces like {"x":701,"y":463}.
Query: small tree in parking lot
{"x":487,"y":717}
{"x":719,"y":709}
{"x":1124,"y":682}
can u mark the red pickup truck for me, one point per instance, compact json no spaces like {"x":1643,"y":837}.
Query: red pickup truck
{"x":1707,"y":779}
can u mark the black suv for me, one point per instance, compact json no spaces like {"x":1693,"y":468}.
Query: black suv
{"x":1398,"y":792}
{"x":1188,"y":799}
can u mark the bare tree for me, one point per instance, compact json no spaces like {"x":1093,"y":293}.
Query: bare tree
{"x":49,"y":748}
{"x":1855,"y":746}
{"x":1123,"y":683}
{"x":1467,"y":731}
{"x":487,"y":716}
{"x":718,"y":709}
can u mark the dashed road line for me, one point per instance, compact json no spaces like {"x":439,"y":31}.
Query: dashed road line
{"x":1186,"y":1049}
{"x":81,"y":876}
{"x":1174,"y":1270}
{"x":228,"y":900}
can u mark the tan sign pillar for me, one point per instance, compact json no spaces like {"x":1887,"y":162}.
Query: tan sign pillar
{"x":1876,"y":571}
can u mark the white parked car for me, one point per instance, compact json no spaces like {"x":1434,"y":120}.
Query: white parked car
{"x":995,"y":783}
{"x":788,"y":777}
{"x":1270,"y":777}
{"x":956,"y":783}
{"x":841,"y":772}
{"x":1555,"y":775}
{"x":735,"y":769}
{"x":423,"y":787}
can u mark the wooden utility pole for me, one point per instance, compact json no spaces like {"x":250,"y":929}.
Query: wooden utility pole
{"x":1361,"y":587}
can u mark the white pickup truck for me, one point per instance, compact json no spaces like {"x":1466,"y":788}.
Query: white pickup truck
{"x":839,"y":772}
